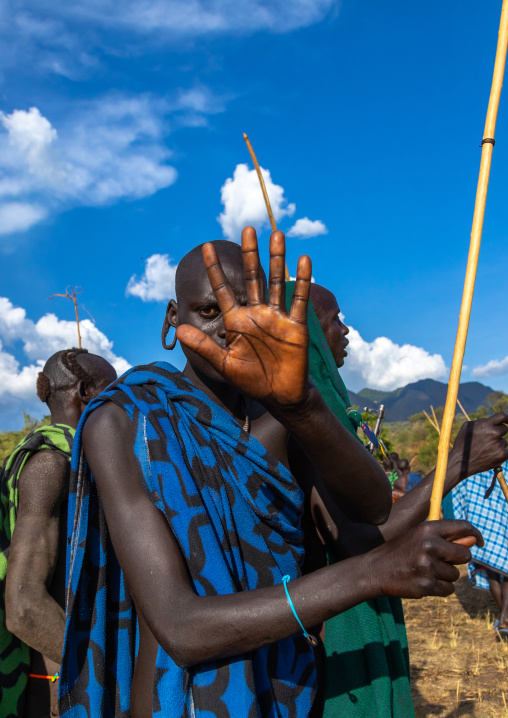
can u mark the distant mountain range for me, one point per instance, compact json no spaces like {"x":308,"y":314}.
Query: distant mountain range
{"x":413,"y":398}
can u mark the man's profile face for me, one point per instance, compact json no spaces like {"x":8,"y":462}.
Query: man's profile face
{"x":198,"y":306}
{"x":328,"y":313}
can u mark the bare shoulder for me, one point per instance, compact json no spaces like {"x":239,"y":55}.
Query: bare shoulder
{"x":105,"y":421}
{"x":44,"y":482}
{"x":108,"y":443}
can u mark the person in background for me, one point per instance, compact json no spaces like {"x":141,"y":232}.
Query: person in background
{"x":33,"y":527}
{"x":480,"y":499}
{"x":366,"y":669}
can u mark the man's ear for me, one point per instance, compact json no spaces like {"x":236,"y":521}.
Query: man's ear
{"x":170,"y":320}
{"x":84,"y":392}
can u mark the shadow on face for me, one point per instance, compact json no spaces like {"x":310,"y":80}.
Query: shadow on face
{"x":196,"y":302}
{"x":328,"y":314}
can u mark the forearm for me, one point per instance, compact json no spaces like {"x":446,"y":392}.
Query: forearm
{"x":414,"y":506}
{"x":215,"y":627}
{"x":353,"y":539}
{"x":352,"y":476}
{"x":39,"y":621}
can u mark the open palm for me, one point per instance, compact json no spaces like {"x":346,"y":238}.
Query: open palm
{"x":266,"y":354}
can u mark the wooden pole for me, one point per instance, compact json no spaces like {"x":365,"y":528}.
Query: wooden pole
{"x":472,"y":264}
{"x":263,"y":189}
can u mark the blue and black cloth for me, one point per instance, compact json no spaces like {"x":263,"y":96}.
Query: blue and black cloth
{"x":490,"y":516}
{"x":220,"y":491}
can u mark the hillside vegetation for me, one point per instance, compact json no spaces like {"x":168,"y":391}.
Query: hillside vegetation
{"x":417,"y":440}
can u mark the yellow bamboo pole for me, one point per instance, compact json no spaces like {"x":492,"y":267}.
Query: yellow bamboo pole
{"x":472,"y":264}
{"x":263,"y":188}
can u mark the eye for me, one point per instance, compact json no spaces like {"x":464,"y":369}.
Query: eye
{"x":209,"y":312}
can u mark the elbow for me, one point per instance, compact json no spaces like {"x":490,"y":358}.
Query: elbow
{"x":376,"y":513}
{"x":181,"y":641}
{"x":18,"y":616}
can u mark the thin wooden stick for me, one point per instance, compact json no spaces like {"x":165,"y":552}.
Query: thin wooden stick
{"x":263,"y":189}
{"x":434,"y":422}
{"x":472,"y":265}
{"x":71,"y":293}
{"x":463,"y":410}
{"x":435,"y":426}
{"x":502,"y":483}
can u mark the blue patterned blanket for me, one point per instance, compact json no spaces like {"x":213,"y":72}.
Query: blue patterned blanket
{"x":490,"y":516}
{"x":241,"y":504}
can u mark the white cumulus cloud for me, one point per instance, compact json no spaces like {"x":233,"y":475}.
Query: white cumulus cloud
{"x":244,"y":204}
{"x":495,"y":367}
{"x":305,"y":227}
{"x":40,"y":340}
{"x":105,"y":150}
{"x":382,"y":364}
{"x":157,"y":283}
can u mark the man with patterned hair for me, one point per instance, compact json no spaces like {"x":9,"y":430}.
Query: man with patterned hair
{"x":33,"y":510}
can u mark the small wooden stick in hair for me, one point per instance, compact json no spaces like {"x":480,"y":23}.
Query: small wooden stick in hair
{"x":263,"y":188}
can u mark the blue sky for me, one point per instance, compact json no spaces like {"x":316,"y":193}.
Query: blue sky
{"x":121,"y":146}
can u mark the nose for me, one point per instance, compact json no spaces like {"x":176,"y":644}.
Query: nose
{"x":345,"y":329}
{"x":221,"y":330}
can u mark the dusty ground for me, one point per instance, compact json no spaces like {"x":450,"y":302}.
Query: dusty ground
{"x":458,"y":668}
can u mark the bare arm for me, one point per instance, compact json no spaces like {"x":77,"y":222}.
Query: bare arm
{"x":31,"y":612}
{"x":479,"y":446}
{"x":193,"y":629}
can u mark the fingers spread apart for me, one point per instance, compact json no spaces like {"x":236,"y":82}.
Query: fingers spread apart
{"x":300,"y":300}
{"x":252,"y":267}
{"x":224,"y":293}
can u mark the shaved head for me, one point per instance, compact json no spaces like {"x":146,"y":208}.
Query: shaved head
{"x":192,"y":266}
{"x":66,"y":368}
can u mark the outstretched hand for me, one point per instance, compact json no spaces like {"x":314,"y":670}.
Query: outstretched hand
{"x":266,"y":353}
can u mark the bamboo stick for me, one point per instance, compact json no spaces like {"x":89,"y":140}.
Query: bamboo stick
{"x":435,"y":417}
{"x":472,"y":264}
{"x":463,"y":410}
{"x":431,"y":421}
{"x":263,"y":189}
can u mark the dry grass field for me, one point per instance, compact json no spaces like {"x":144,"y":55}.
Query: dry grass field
{"x":458,"y":668}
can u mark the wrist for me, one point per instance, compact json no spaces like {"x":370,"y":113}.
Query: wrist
{"x":454,"y":472}
{"x":292,"y":415}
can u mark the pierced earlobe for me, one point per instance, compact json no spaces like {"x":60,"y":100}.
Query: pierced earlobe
{"x":164,"y":334}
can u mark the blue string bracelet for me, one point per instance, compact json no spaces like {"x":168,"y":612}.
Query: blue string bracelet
{"x":310,"y":638}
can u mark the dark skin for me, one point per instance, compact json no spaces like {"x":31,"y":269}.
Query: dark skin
{"x":223,"y":363}
{"x":479,"y":446}
{"x":35,"y":584}
{"x":499,"y":591}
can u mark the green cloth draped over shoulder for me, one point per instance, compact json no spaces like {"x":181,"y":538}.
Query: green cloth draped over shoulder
{"x":367,"y":657}
{"x":14,"y":654}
